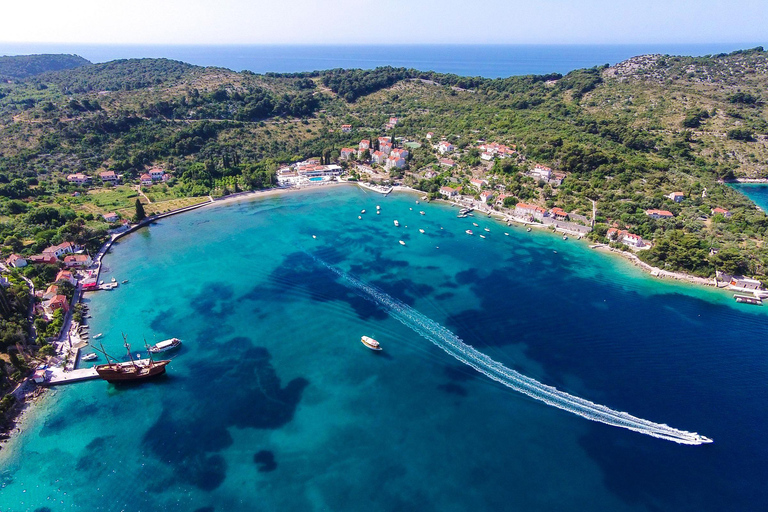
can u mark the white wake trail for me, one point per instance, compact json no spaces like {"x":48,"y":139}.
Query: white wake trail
{"x":550,"y":395}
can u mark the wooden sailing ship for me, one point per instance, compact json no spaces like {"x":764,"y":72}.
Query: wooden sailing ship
{"x":131,"y":370}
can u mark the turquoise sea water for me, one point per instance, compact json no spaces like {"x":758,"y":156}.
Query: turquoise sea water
{"x":756,"y":192}
{"x":274,"y":404}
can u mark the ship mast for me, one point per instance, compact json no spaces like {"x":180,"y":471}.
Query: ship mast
{"x":128,"y":349}
{"x":151,"y":362}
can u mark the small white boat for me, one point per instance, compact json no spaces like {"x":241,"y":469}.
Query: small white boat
{"x":114,"y":280}
{"x":529,"y":229}
{"x":378,"y":207}
{"x":378,"y":212}
{"x":370,"y":343}
{"x":362,"y":211}
{"x":101,"y":282}
{"x":314,"y":236}
{"x":422,"y":213}
{"x":98,"y":336}
{"x":402,"y":243}
{"x":91,"y":356}
{"x":165,"y":345}
{"x":469,"y":232}
{"x":474,"y":224}
{"x":488,"y":230}
{"x":410,"y":208}
{"x":397,"y":224}
{"x":125,"y":281}
{"x":421,"y":230}
{"x":417,"y":202}
{"x":359,"y":217}
{"x":506,"y":234}
{"x":482,"y":236}
{"x":565,"y":237}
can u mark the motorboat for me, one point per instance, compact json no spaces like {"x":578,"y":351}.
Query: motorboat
{"x":370,"y":343}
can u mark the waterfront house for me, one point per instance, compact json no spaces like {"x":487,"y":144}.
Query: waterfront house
{"x":66,"y":275}
{"x":445,"y":147}
{"x":346,"y":153}
{"x":500,"y":199}
{"x":346,"y":128}
{"x":17,"y":261}
{"x":58,"y":250}
{"x":676,"y":196}
{"x":110,"y":217}
{"x":55,"y":303}
{"x":378,"y":157}
{"x":109,"y":177}
{"x":625,"y":237}
{"x":722,"y":211}
{"x":559,"y":213}
{"x":743,"y":284}
{"x":156,"y":174}
{"x":146,"y":179}
{"x":447,"y":162}
{"x":486,"y":195}
{"x":530,"y":211}
{"x":659,"y":214}
{"x":78,"y":179}
{"x":90,"y":284}
{"x":448,"y":191}
{"x":77,"y":260}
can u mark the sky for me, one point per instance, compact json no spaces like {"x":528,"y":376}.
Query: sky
{"x":390,"y":22}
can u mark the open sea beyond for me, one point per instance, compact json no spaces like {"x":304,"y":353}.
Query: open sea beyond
{"x":272,"y":402}
{"x":490,"y":61}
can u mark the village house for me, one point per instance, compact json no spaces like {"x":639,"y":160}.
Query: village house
{"x":58,"y":250}
{"x":393,"y":121}
{"x":110,"y":217}
{"x":378,"y":157}
{"x":17,"y":261}
{"x":447,"y":162}
{"x":109,"y":177}
{"x":430,"y":135}
{"x":66,"y":275}
{"x":530,"y":211}
{"x":146,"y":179}
{"x":365,"y":145}
{"x":722,"y":211}
{"x":676,"y":196}
{"x":78,"y":179}
{"x":486,"y":195}
{"x":625,"y":237}
{"x":156,"y":174}
{"x":659,"y":214}
{"x":394,"y":161}
{"x":559,"y":213}
{"x":478,"y":184}
{"x":486,"y":156}
{"x":77,"y":260}
{"x":167,"y":177}
{"x":445,"y":147}
{"x":51,"y":292}
{"x":43,"y":258}
{"x":448,"y":191}
{"x":385,"y":140}
{"x":401,"y":152}
{"x":430,"y":174}
{"x":541,"y":172}
{"x":557,"y":179}
{"x":55,"y":303}
{"x":346,"y":153}
{"x":743,"y":284}
{"x":385,"y":147}
{"x":500,"y":199}
{"x":489,"y":151}
{"x":346,"y":128}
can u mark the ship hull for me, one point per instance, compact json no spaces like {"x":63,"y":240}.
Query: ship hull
{"x":124,"y":372}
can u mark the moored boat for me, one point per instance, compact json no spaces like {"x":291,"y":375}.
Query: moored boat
{"x":165,"y":345}
{"x":529,"y":230}
{"x":130,"y":370}
{"x":469,"y":232}
{"x":370,"y":343}
{"x":421,"y":230}
{"x":488,"y":230}
{"x":748,"y":299}
{"x":98,"y":336}
{"x":362,"y":211}
{"x":421,"y":212}
{"x":397,"y":224}
{"x":90,"y":356}
{"x":475,"y":224}
{"x":402,"y":243}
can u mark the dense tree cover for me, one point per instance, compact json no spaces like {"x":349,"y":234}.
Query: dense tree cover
{"x":23,"y":66}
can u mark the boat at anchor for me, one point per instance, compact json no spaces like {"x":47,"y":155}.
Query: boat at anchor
{"x":370,"y":343}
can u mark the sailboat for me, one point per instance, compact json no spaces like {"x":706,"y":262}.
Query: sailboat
{"x":130,"y":370}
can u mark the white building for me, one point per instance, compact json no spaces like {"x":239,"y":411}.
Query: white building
{"x":445,"y":147}
{"x":78,"y":179}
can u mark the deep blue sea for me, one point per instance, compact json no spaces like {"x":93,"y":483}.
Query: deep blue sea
{"x":491,"y":61}
{"x":273,"y":403}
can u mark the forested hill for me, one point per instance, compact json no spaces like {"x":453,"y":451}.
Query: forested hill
{"x":23,"y":66}
{"x":625,"y":135}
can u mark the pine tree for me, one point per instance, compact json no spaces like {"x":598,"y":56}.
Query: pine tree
{"x":140,"y":214}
